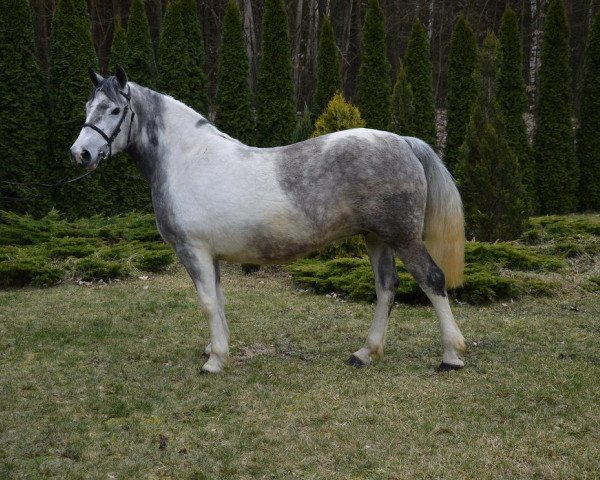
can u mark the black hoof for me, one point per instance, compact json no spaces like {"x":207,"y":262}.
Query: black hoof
{"x":354,"y":361}
{"x":205,"y":372}
{"x":447,"y":367}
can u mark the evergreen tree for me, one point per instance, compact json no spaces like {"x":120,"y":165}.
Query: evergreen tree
{"x":419,"y":76}
{"x":276,"y":117}
{"x":140,"y":64}
{"x":487,"y":170}
{"x":462,"y":88}
{"x":181,"y":55}
{"x":328,"y":70}
{"x":71,"y":55}
{"x":123,"y":187}
{"x":118,"y":51}
{"x":234,"y":100}
{"x":512,"y":100}
{"x":339,"y":115}
{"x":304,"y":128}
{"x":374,"y":73}
{"x":588,"y":135}
{"x":23,"y":122}
{"x":553,"y":146}
{"x":402,"y":105}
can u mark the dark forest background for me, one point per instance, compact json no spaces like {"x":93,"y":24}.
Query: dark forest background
{"x":304,"y":17}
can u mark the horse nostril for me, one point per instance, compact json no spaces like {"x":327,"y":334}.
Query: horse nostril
{"x":85,"y":155}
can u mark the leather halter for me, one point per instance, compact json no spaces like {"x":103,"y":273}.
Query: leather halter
{"x":110,"y":139}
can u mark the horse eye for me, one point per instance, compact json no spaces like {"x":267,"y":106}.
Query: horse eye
{"x":115,"y":111}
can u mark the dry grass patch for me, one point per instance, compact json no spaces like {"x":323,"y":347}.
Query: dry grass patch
{"x":103,"y":382}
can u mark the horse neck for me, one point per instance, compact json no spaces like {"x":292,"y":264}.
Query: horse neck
{"x":162,"y":126}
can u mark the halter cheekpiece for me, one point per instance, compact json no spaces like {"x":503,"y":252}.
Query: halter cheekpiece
{"x":117,"y":130}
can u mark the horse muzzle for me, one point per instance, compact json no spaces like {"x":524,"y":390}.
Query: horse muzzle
{"x":85,"y":159}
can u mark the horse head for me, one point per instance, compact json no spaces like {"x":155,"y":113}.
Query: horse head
{"x":108,"y":121}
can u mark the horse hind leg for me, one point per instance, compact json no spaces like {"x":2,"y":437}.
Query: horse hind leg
{"x":386,"y":282}
{"x":432,"y":281}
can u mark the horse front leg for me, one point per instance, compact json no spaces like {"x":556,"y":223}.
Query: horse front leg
{"x":204,"y":271}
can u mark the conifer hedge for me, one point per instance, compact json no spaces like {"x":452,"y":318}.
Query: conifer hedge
{"x":588,"y":135}
{"x":123,"y":189}
{"x":140,"y":64}
{"x":118,"y":51}
{"x":23,"y":107}
{"x":181,"y":55}
{"x":328,"y":71}
{"x":71,"y":55}
{"x":420,"y":78}
{"x":276,"y":114}
{"x":234,"y":99}
{"x":487,"y":171}
{"x":512,"y":101}
{"x":553,"y":146}
{"x":402,"y":105}
{"x":373,"y":89}
{"x":462,"y":88}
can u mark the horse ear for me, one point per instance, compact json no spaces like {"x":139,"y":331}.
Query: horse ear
{"x":121,"y":76}
{"x":94,"y":77}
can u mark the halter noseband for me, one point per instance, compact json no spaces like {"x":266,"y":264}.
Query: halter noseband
{"x":117,"y":130}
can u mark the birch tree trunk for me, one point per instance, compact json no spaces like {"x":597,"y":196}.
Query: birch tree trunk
{"x":251,"y":40}
{"x":297,"y":39}
{"x":312,"y":45}
{"x":537,"y":8}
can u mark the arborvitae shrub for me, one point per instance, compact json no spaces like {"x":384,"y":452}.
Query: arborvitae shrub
{"x":553,"y":146}
{"x":588,"y":135}
{"x":402,"y":105}
{"x":23,"y":106}
{"x":339,"y":115}
{"x":276,"y":117}
{"x":123,"y":189}
{"x":512,"y":101}
{"x":234,"y":99}
{"x":373,"y":89}
{"x":118,"y":51}
{"x":71,"y":55}
{"x":328,"y":70}
{"x":420,"y":78}
{"x":140,"y":64}
{"x":181,"y":55}
{"x":487,"y":171}
{"x":304,"y":128}
{"x":462,"y":88}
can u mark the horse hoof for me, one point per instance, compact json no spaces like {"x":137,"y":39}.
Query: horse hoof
{"x":447,"y":367}
{"x":354,"y":361}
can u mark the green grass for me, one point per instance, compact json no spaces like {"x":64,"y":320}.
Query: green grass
{"x":93,"y":377}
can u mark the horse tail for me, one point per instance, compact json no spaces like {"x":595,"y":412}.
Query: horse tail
{"x":444,"y":219}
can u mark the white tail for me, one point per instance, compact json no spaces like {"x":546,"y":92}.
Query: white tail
{"x":444,"y":219}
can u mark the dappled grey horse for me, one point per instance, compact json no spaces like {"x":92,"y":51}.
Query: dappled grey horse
{"x":218,"y":199}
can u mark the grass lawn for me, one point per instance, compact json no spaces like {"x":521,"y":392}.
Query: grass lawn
{"x":102,"y":382}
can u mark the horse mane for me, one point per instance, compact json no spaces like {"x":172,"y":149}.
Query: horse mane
{"x":110,"y":87}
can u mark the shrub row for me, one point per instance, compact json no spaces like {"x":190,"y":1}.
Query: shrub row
{"x":46,"y":251}
{"x":494,"y":271}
